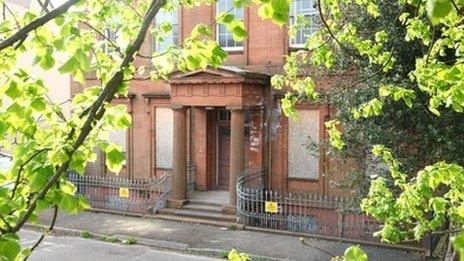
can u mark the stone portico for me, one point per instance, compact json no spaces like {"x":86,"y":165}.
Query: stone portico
{"x":224,"y":102}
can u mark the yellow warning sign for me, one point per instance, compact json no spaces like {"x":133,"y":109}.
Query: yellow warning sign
{"x":271,"y":207}
{"x":123,"y":192}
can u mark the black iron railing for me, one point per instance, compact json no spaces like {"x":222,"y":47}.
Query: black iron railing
{"x":300,"y":212}
{"x":128,"y":195}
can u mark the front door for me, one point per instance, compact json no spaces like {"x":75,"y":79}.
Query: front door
{"x":223,"y":155}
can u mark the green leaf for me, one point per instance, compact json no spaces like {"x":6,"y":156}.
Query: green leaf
{"x":384,"y":91}
{"x":458,"y":244}
{"x":265,"y":11}
{"x":59,"y":156}
{"x":281,"y":9}
{"x":68,"y":188}
{"x":240,"y":3}
{"x":9,"y":247}
{"x":13,"y":90}
{"x":47,"y":61}
{"x":83,"y":60}
{"x":114,"y":158}
{"x":437,"y":9}
{"x":79,"y":76}
{"x":225,"y":18}
{"x":38,"y":104}
{"x":70,"y":66}
{"x":69,"y":204}
{"x":59,"y":20}
{"x":355,"y":253}
{"x":38,"y":181}
{"x":238,"y":30}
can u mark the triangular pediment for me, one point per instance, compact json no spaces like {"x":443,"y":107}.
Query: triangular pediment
{"x":208,"y":73}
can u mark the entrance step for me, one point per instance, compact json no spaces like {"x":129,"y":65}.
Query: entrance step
{"x":203,"y":208}
{"x":209,"y":214}
{"x":204,"y":203}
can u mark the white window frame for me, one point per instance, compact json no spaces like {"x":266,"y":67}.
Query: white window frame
{"x":174,"y":17}
{"x":294,"y":11}
{"x":235,"y":12}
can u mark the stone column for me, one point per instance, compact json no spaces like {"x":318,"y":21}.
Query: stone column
{"x":179,"y":164}
{"x":237,"y":152}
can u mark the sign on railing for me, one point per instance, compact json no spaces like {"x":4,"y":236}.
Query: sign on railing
{"x":271,"y":207}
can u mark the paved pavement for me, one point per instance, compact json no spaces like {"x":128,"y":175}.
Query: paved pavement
{"x":187,"y":236}
{"x":69,"y":249}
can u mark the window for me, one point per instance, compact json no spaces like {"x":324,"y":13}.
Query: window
{"x":308,"y":9}
{"x":119,"y":137}
{"x":172,"y":37}
{"x":164,"y":127}
{"x":303,"y":134}
{"x":224,"y":37}
{"x":110,"y":35}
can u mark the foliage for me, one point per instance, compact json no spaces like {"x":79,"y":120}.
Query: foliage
{"x":458,"y":244}
{"x":232,"y":227}
{"x":47,"y":142}
{"x":110,"y":239}
{"x":234,"y":255}
{"x":423,"y":91}
{"x":86,"y":234}
{"x":224,"y":254}
{"x":130,"y":241}
{"x":352,"y":253}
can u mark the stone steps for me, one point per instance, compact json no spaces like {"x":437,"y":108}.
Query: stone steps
{"x":200,"y":211}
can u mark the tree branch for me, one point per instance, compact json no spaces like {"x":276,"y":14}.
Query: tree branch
{"x":329,"y":30}
{"x":50,"y":229}
{"x":44,"y":6}
{"x":106,"y":38}
{"x":6,"y":222}
{"x":12,"y":14}
{"x":97,"y":110}
{"x":24,"y":32}
{"x":21,"y":168}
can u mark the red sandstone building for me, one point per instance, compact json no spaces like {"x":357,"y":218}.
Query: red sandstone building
{"x":224,"y":120}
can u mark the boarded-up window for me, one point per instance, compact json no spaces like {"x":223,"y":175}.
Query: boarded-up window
{"x":302,"y":135}
{"x":163,"y":135}
{"x":119,"y":137}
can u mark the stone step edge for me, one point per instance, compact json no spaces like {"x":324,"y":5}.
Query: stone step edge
{"x":200,"y":221}
{"x":198,"y":214}
{"x":203,"y":208}
{"x":201,"y":202}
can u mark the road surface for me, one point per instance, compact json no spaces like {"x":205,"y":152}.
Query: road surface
{"x":70,"y":249}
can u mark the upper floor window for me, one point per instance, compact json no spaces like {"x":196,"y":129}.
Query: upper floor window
{"x":224,"y":37}
{"x":307,"y":9}
{"x":172,"y":37}
{"x":111,"y":36}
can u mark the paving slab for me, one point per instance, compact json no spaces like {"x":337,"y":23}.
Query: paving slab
{"x":58,"y":248}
